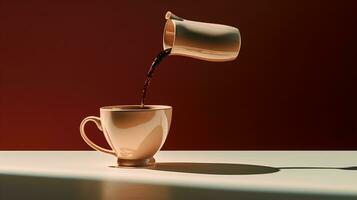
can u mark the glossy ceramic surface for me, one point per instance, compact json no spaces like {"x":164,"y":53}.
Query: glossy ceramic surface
{"x":205,"y":41}
{"x":133,"y":133}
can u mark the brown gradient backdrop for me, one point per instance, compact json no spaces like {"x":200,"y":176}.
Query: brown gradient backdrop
{"x":293,"y":85}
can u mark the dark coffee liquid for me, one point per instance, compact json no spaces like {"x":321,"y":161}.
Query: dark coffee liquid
{"x":149,"y":75}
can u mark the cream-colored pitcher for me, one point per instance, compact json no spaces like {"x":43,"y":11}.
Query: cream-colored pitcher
{"x":205,"y":41}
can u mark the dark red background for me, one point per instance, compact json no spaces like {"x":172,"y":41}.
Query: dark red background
{"x":293,"y":85}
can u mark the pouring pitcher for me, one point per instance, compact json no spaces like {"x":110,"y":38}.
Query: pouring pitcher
{"x":205,"y":41}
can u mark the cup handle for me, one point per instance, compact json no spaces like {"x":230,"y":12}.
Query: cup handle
{"x":97,"y":122}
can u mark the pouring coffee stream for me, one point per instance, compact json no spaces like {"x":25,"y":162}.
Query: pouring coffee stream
{"x":204,"y":41}
{"x":149,"y":75}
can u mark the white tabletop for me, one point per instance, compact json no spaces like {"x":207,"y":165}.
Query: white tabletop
{"x":180,"y":174}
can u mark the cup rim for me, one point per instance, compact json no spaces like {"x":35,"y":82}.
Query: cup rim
{"x":135,"y":108}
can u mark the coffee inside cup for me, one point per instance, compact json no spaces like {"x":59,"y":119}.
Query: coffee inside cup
{"x":135,"y":107}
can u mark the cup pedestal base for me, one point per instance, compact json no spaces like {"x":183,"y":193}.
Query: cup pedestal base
{"x":136,"y":163}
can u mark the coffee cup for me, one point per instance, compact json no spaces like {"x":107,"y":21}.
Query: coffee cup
{"x":134,"y":133}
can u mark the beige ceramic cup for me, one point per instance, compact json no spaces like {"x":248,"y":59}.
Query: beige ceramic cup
{"x":134,"y":133}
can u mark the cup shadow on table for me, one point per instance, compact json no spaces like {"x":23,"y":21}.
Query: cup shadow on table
{"x":214,"y":168}
{"x":228,"y":168}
